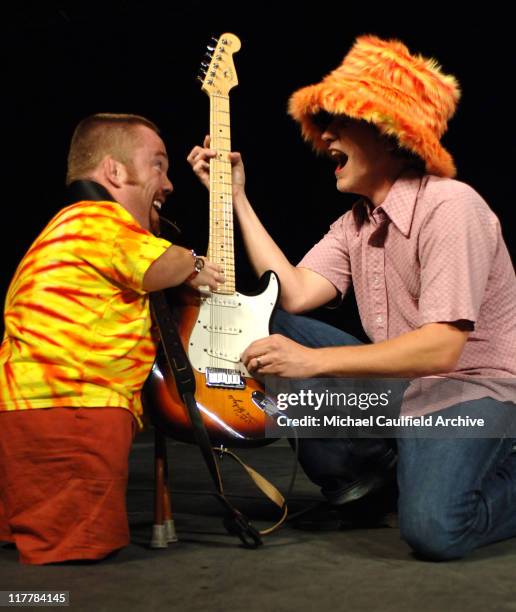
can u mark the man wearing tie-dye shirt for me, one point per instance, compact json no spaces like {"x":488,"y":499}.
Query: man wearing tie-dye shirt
{"x":78,"y":345}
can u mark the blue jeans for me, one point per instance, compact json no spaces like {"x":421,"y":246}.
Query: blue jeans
{"x":455,"y":494}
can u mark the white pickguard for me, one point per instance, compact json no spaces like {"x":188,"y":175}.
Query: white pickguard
{"x":226,"y":326}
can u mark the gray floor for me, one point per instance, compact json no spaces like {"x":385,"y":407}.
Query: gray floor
{"x":295,"y":570}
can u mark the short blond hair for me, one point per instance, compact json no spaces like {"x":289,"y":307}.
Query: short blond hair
{"x":103,"y":134}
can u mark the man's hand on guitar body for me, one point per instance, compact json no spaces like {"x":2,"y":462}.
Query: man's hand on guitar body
{"x":177,"y":266}
{"x":281,"y":356}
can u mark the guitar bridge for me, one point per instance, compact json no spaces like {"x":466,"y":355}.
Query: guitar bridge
{"x":228,"y":379}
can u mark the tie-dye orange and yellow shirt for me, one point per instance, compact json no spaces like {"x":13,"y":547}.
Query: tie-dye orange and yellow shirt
{"x":77,"y":320}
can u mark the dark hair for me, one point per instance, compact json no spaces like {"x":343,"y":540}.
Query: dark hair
{"x":411,"y":159}
{"x":322,"y":120}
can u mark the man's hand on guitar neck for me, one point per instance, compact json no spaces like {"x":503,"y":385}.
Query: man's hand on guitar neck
{"x":301,"y":289}
{"x":199,"y":159}
{"x":210,"y":276}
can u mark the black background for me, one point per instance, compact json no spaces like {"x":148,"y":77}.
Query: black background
{"x":63,"y":61}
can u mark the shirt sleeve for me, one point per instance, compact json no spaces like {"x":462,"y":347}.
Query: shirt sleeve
{"x":134,"y":250}
{"x":457,"y":245}
{"x":330,"y":256}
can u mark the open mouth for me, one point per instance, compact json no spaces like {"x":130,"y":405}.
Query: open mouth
{"x":339,"y":157}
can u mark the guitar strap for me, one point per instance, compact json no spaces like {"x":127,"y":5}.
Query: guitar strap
{"x":235,"y":522}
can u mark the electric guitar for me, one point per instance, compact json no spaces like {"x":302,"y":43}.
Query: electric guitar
{"x":216,"y":326}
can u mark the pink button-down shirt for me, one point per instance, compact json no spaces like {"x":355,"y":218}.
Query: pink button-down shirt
{"x":432,"y":252}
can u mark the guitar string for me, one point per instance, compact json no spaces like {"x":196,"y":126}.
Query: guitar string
{"x":227,"y":212}
{"x":221,"y":213}
{"x":220,"y":346}
{"x":224,"y":199}
{"x":212,"y":214}
{"x":229,"y":258}
{"x":217,"y":202}
{"x":212,"y":168}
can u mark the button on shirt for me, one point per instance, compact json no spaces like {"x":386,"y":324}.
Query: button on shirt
{"x":432,"y":252}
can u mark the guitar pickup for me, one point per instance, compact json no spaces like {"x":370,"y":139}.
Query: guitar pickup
{"x":228,"y":379}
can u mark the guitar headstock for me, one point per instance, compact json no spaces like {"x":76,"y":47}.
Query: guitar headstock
{"x":218,"y":74}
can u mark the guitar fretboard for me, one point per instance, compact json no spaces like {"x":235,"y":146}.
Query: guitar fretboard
{"x":221,"y":246}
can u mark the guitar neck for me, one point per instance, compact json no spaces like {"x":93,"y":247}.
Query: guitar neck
{"x":221,"y":243}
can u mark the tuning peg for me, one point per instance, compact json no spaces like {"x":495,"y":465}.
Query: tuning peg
{"x":205,"y":65}
{"x":214,"y":39}
{"x":211,"y":49}
{"x":199,"y":78}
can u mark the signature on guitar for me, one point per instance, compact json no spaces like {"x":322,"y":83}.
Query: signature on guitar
{"x":241,"y":411}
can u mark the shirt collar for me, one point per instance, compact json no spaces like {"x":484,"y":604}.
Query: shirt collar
{"x":400,"y":203}
{"x":88,"y":190}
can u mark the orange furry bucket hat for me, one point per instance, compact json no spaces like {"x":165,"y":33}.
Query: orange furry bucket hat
{"x":403,"y":95}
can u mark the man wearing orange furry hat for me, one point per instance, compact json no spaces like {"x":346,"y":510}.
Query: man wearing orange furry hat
{"x":435,"y":288}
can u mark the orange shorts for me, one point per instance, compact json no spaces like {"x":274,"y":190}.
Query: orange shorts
{"x":63,"y":481}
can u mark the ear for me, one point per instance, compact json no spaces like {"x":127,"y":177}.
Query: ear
{"x":114,"y":171}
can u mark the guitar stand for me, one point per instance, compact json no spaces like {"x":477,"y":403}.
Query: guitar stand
{"x":163,"y":529}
